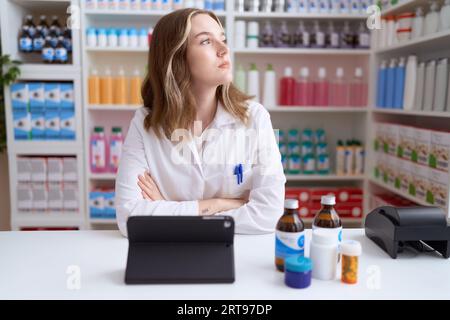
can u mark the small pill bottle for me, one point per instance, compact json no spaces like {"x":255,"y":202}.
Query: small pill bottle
{"x":297,"y":270}
{"x":350,"y":251}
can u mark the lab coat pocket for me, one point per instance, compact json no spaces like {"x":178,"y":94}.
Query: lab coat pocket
{"x":232,"y":188}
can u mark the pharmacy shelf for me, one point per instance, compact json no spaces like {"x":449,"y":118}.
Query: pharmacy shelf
{"x":102,"y":176}
{"x":404,"y":6}
{"x":318,"y":109}
{"x":399,"y":192}
{"x":48,"y":72}
{"x":296,"y":15}
{"x":61,"y":219}
{"x":434,"y":42}
{"x":151,"y":13}
{"x":117,"y":49}
{"x":114,"y":107}
{"x":324,"y":177}
{"x":293,"y":51}
{"x":41,"y":147}
{"x":419,"y":113}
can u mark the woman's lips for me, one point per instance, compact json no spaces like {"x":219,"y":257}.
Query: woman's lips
{"x":224,"y":65}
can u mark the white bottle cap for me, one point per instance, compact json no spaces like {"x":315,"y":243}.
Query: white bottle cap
{"x":291,"y":204}
{"x":304,"y":72}
{"x":288,"y":72}
{"x":339,"y":72}
{"x":136,"y":72}
{"x":322,"y":73}
{"x":94,"y":72}
{"x":121,"y":72}
{"x":324,"y":236}
{"x":107,"y":72}
{"x":358,"y":72}
{"x":350,"y":248}
{"x":328,"y":200}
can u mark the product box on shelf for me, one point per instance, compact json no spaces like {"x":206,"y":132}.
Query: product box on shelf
{"x":378,"y":143}
{"x":67,"y":124}
{"x":39,"y":196}
{"x":19,"y":96}
{"x":406,"y":144}
{"x":24,"y":197}
{"x":391,"y":138}
{"x":36,"y":97}
{"x":405,"y":173}
{"x":438,"y":187}
{"x":52,"y":96}
{"x":37,"y":125}
{"x":419,"y":185}
{"x":23,"y":169}
{"x":22,"y":125}
{"x":109,"y":204}
{"x":52,"y":125}
{"x":96,"y":204}
{"x":55,"y":196}
{"x":54,"y":169}
{"x":421,"y":152}
{"x":439,"y":156}
{"x":66,"y":96}
{"x":349,"y":195}
{"x":70,"y":197}
{"x":38,"y":169}
{"x":349,"y":210}
{"x":70,"y":172}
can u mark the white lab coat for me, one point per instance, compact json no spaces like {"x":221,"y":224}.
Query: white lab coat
{"x":182,"y":184}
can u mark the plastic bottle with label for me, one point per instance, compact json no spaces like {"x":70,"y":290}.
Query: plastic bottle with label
{"x":61,"y":55}
{"x":444,"y":16}
{"x":41,"y":32}
{"x":25,"y":40}
{"x":289,"y":234}
{"x":358,"y":89}
{"x":302,"y":36}
{"x":390,"y":84}
{"x":323,"y":254}
{"x":283,"y":37}
{"x":267,"y":35}
{"x":327,"y":218}
{"x":410,"y":83}
{"x":106,"y":87}
{"x":318,"y":36}
{"x":430,"y":81}
{"x":340,"y":158}
{"x":287,"y":88}
{"x":347,"y":37}
{"x":120,"y":88}
{"x":253,"y":82}
{"x":332,"y":37}
{"x":305,"y":89}
{"x":269,"y":95}
{"x":115,"y":148}
{"x":98,"y":151}
{"x":417,"y":27}
{"x":441,"y":85}
{"x":240,"y":79}
{"x":94,"y":87}
{"x":321,"y":88}
{"x":339,"y":90}
{"x":363,"y":37}
{"x":399,"y":84}
{"x":48,"y":52}
{"x":135,"y":88}
{"x":381,"y":85}
{"x":420,"y":86}
{"x":431,"y":22}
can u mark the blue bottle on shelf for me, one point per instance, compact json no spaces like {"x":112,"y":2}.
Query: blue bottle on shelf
{"x":390,"y":84}
{"x":399,"y":87}
{"x":381,"y":85}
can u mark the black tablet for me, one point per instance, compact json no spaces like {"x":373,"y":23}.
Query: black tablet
{"x":180,"y":249}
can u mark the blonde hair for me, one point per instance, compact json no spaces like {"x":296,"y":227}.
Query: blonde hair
{"x":166,"y":90}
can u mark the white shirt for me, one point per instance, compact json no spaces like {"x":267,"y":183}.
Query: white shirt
{"x":182,"y":184}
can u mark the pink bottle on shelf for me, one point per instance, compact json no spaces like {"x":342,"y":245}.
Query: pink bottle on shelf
{"x":287,"y":88}
{"x":305,"y":89}
{"x":358,"y":90}
{"x":321,"y":89}
{"x":115,"y":148}
{"x":339,"y":90}
{"x":98,"y":151}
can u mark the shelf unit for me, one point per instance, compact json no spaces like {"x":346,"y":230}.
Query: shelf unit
{"x":427,"y":47}
{"x":11,"y":17}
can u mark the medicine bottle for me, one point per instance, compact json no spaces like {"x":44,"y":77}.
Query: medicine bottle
{"x":327,"y":218}
{"x":324,"y":254}
{"x":289,"y":234}
{"x":350,"y":251}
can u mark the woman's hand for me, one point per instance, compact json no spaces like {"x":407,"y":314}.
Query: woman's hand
{"x":212,"y":206}
{"x":150,"y":190}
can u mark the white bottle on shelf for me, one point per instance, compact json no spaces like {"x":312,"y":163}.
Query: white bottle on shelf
{"x":303,"y":6}
{"x":241,"y":79}
{"x":417,"y":27}
{"x":444,"y":17}
{"x":313,"y":6}
{"x":156,"y":5}
{"x":324,"y":6}
{"x":177,"y":4}
{"x":430,"y":78}
{"x":135,"y":4}
{"x":253,"y":82}
{"x":270,"y":83}
{"x":112,"y":38}
{"x":113,"y":4}
{"x":441,"y":85}
{"x":420,"y":86}
{"x":410,"y":83}
{"x":431,"y":23}
{"x":146,"y":5}
{"x":91,"y":37}
{"x":124,"y":5}
{"x":133,"y":38}
{"x":239,"y":34}
{"x":253,"y":34}
{"x":123,"y":38}
{"x":143,"y":38}
{"x":166,"y":5}
{"x":102,"y":38}
{"x":355,"y":7}
{"x":344,"y":6}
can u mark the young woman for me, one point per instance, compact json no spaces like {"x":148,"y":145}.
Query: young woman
{"x":185,"y":153}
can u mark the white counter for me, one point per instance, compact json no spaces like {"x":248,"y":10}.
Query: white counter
{"x":34,"y":265}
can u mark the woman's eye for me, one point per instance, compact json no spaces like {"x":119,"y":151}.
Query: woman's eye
{"x":204,"y":41}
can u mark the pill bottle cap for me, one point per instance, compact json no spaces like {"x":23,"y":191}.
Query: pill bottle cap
{"x":350,"y":248}
{"x":291,"y":204}
{"x":298,"y":263}
{"x":339,"y":72}
{"x":328,"y":200}
{"x":288,"y":72}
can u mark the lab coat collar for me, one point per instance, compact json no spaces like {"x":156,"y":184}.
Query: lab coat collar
{"x":222,"y":117}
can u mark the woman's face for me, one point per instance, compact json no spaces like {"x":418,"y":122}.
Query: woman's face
{"x":207,"y":53}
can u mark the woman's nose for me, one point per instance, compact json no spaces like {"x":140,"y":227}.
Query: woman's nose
{"x":222,"y":49}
